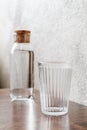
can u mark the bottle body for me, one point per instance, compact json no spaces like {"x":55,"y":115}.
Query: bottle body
{"x":22,"y":72}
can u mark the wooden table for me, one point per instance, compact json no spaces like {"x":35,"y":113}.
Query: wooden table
{"x":27,"y":115}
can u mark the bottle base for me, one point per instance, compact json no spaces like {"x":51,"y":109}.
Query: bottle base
{"x":21,"y":94}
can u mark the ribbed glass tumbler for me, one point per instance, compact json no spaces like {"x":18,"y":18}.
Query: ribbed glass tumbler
{"x":55,"y":81}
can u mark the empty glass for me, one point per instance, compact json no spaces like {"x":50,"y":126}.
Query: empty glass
{"x":55,"y":81}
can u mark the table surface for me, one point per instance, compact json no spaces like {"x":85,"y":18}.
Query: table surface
{"x":26,"y":115}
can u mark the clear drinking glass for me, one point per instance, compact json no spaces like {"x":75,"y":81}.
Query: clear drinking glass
{"x":55,"y":81}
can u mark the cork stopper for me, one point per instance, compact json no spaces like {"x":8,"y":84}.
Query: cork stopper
{"x":22,"y":36}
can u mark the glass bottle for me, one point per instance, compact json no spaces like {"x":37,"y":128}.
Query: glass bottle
{"x":22,"y":67}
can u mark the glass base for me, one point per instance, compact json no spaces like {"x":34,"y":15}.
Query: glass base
{"x":55,"y":111}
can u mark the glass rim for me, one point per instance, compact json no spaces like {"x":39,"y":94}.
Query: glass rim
{"x":57,"y":64}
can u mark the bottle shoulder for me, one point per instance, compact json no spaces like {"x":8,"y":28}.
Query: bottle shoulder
{"x":21,"y":47}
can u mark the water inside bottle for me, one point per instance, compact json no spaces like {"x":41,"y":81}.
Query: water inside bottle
{"x":21,"y":75}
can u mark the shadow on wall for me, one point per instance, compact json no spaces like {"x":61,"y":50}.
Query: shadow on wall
{"x":0,"y":75}
{"x":4,"y":76}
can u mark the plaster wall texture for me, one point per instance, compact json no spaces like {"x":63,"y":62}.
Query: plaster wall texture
{"x":59,"y":32}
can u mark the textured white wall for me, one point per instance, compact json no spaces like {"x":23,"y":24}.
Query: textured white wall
{"x":59,"y":32}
